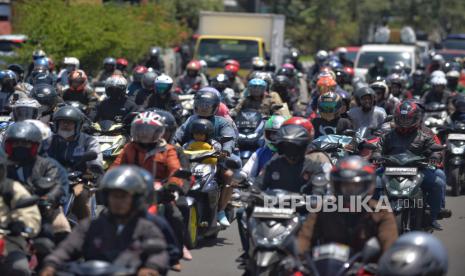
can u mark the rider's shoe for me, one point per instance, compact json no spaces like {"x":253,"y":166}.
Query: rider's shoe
{"x":222,"y":219}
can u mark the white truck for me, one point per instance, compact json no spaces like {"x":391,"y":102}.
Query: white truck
{"x":239,"y":36}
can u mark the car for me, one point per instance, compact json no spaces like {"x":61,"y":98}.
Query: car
{"x":454,"y":41}
{"x":451,"y":54}
{"x":8,"y":43}
{"x":392,"y":53}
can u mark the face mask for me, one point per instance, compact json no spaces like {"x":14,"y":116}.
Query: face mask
{"x":65,"y":133}
{"x":22,"y":155}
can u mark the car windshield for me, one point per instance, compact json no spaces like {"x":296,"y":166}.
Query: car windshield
{"x":458,"y":44}
{"x":351,"y":55}
{"x":390,"y":58}
{"x":216,"y":51}
{"x":8,"y":46}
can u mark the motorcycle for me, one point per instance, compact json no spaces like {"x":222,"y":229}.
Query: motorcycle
{"x":251,"y":126}
{"x":111,"y":137}
{"x":337,"y":146}
{"x":435,"y":116}
{"x":455,"y":157}
{"x":401,"y":180}
{"x":199,"y":206}
{"x":187,"y":104}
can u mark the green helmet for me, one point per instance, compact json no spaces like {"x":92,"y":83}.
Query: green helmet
{"x":272,"y":126}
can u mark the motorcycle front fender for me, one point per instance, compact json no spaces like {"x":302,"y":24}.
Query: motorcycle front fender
{"x":266,"y":258}
{"x":456,"y":161}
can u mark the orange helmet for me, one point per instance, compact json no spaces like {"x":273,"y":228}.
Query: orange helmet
{"x":325,"y":84}
{"x":194,"y":65}
{"x":77,"y":80}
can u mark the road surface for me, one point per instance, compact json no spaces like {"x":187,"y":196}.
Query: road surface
{"x":219,"y":258}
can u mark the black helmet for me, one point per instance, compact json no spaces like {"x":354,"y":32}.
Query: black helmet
{"x":414,"y":254}
{"x":8,"y":80}
{"x":46,"y":95}
{"x":292,"y":141}
{"x":155,"y":51}
{"x":128,"y":179}
{"x":169,"y":121}
{"x":202,"y":126}
{"x":286,"y":72}
{"x":41,"y":78}
{"x":282,"y":84}
{"x":206,"y":102}
{"x":115,"y":86}
{"x":220,"y":82}
{"x":364,"y":91}
{"x":395,"y":79}
{"x":69,"y":113}
{"x":109,"y":61}
{"x":407,"y":117}
{"x":22,"y":131}
{"x":379,"y":60}
{"x":419,"y":75}
{"x":18,"y":69}
{"x":270,"y":67}
{"x":353,"y":170}
{"x":148,"y":80}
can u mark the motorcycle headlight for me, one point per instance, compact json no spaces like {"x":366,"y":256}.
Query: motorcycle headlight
{"x":457,"y":149}
{"x":253,"y":135}
{"x":277,"y":236}
{"x":242,"y":136}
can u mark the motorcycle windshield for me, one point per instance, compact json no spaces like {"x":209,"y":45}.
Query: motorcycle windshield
{"x":326,"y":140}
{"x":403,"y":159}
{"x":435,"y":107}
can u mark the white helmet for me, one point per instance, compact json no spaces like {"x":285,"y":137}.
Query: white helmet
{"x":438,"y":81}
{"x":71,"y":61}
{"x":24,"y":109}
{"x":438,"y":73}
{"x":163,"y":83}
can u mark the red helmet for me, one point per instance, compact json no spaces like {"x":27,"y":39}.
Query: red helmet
{"x":122,"y":62}
{"x":139,"y":72}
{"x":407,"y":117}
{"x":301,"y":122}
{"x":231,"y":68}
{"x":194,"y":65}
{"x":288,"y":66}
{"x":233,"y":62}
{"x":77,"y":80}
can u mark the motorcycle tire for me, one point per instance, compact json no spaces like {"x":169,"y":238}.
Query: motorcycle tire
{"x":416,"y":218}
{"x":191,"y":237}
{"x":453,"y":178}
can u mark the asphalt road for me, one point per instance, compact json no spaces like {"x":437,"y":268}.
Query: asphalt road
{"x":217,"y":258}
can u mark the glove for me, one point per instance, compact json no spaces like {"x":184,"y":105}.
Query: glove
{"x":16,"y":227}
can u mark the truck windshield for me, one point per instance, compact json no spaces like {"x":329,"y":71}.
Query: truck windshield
{"x":216,"y":51}
{"x":390,"y":58}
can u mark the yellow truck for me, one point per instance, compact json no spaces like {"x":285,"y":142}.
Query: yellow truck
{"x":239,"y":36}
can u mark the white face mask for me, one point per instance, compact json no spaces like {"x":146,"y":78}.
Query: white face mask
{"x":65,"y":133}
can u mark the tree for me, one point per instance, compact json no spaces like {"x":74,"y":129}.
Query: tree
{"x":92,"y":32}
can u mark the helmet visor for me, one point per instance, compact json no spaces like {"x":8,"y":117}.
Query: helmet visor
{"x":256,"y":90}
{"x":162,"y":88}
{"x":22,"y":113}
{"x":204,"y":108}
{"x":327,"y":107}
{"x":145,"y":133}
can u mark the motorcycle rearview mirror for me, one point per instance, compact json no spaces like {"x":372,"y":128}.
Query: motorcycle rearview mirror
{"x":371,"y":250}
{"x":232,"y":164}
{"x":349,"y":132}
{"x":225,"y":139}
{"x":276,"y":107}
{"x":26,"y":202}
{"x":89,"y":156}
{"x":182,"y":173}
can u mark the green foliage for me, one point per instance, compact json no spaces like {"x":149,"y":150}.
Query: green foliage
{"x":92,"y":32}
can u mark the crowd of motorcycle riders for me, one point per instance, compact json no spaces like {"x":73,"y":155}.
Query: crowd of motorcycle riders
{"x":114,"y":212}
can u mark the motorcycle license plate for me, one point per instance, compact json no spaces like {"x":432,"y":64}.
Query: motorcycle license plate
{"x":456,"y":136}
{"x":400,"y":171}
{"x":107,"y":139}
{"x":333,"y":251}
{"x":266,"y":212}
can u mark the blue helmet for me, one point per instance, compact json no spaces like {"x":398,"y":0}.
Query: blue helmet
{"x":41,"y":62}
{"x":256,"y":87}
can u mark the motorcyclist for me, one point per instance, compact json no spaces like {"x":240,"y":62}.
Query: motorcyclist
{"x":8,"y":93}
{"x":366,"y":114}
{"x":320,"y":59}
{"x":79,"y":90}
{"x":294,"y":56}
{"x":68,"y":145}
{"x":284,"y":171}
{"x":419,"y":85}
{"x":330,"y":121}
{"x":410,"y":135}
{"x":351,"y":177}
{"x":147,"y":89}
{"x":39,"y":175}
{"x":150,"y":151}
{"x":231,"y":71}
{"x":109,"y":68}
{"x":163,"y":98}
{"x":453,"y":77}
{"x":121,"y":65}
{"x":155,"y":61}
{"x":137,"y":75}
{"x":191,"y":79}
{"x":206,"y":103}
{"x":342,"y":56}
{"x":21,"y":85}
{"x":414,"y":253}
{"x":36,"y":54}
{"x":396,"y":84}
{"x":120,"y":234}
{"x":117,"y":106}
{"x":17,"y":221}
{"x":257,"y":98}
{"x":438,"y":92}
{"x":437,"y":61}
{"x":283,"y":86}
{"x":48,"y":98}
{"x":384,"y":99}
{"x":70,"y":64}
{"x":222,"y":84}
{"x":377,"y":69}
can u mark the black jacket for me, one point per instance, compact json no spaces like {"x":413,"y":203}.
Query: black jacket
{"x":103,"y":239}
{"x":112,"y":110}
{"x":418,"y":142}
